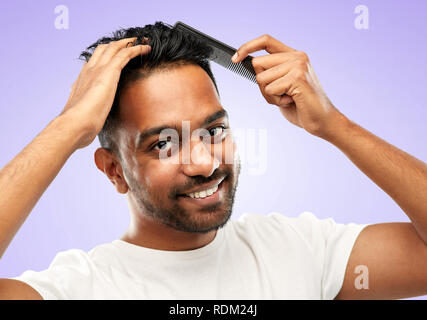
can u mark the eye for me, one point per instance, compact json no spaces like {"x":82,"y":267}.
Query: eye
{"x":217,"y":134}
{"x":220,"y":130}
{"x":162,"y":145}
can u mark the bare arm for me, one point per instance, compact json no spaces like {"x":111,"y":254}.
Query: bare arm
{"x":287,"y":79}
{"x":395,"y":253}
{"x":394,"y":261}
{"x":24,"y":179}
{"x":400,"y":175}
{"x":11,"y":289}
{"x":27,"y":176}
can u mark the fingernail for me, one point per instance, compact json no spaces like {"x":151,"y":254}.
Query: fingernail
{"x":234,"y":58}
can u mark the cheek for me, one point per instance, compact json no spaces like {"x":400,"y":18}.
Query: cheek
{"x":158,"y":175}
{"x":229,"y":150}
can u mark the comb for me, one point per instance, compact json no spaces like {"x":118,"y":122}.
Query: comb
{"x":222,"y":53}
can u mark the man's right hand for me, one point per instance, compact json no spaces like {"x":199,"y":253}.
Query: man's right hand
{"x":83,"y":117}
{"x":93,"y":92}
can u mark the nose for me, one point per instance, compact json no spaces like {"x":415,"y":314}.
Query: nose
{"x":200,"y":161}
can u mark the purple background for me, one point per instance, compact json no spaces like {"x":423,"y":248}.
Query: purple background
{"x":376,"y":77}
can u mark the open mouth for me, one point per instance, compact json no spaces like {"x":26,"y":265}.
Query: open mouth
{"x":205,"y":197}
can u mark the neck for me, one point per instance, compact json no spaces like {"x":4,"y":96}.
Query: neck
{"x":146,"y":232}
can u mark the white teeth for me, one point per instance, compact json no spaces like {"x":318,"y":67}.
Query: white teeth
{"x":204,"y":193}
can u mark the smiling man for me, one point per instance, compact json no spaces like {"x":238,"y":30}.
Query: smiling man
{"x":166,"y":143}
{"x":168,"y":198}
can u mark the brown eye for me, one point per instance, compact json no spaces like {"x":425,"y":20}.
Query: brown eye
{"x":164,"y":144}
{"x":215,"y":133}
{"x":161,"y":145}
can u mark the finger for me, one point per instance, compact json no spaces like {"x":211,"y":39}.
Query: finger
{"x":97,"y":53}
{"x":126,"y":54}
{"x":270,"y":75}
{"x":285,"y":101}
{"x":280,"y":86}
{"x":266,"y":62}
{"x":278,"y":91}
{"x":290,"y":85}
{"x":115,"y":46}
{"x":264,"y":42}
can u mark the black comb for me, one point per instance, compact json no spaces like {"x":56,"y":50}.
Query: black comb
{"x":222,"y":53}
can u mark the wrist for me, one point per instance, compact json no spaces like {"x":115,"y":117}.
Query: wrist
{"x":72,"y":131}
{"x":338,"y":126}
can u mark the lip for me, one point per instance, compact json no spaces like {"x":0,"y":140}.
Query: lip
{"x":204,"y":187}
{"x":213,"y":198}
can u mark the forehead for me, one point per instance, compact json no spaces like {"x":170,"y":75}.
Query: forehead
{"x":168,"y":96}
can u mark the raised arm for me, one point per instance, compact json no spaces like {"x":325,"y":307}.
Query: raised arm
{"x":400,"y":175}
{"x":394,"y":253}
{"x":24,"y":179}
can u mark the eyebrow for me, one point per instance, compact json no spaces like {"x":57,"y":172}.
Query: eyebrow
{"x":147,"y":133}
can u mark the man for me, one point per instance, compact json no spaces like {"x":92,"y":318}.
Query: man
{"x":180,"y":243}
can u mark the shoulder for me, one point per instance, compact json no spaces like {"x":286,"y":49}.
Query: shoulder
{"x":277,"y":222}
{"x":81,"y":257}
{"x":305,"y":229}
{"x":70,"y":274}
{"x":274,"y":228}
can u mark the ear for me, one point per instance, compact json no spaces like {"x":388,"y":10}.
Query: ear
{"x":108,"y":163}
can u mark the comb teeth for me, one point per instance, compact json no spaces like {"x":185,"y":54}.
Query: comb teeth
{"x":222,"y":53}
{"x":244,"y":68}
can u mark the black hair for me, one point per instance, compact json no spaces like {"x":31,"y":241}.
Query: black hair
{"x":169,"y":48}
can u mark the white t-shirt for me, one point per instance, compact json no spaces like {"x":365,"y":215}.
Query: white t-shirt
{"x":253,"y":257}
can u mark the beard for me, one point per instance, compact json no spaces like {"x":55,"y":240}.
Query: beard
{"x":170,"y":213}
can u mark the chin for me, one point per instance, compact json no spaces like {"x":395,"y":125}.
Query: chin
{"x":205,"y":222}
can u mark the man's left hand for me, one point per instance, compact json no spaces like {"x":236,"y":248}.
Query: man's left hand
{"x":287,"y":79}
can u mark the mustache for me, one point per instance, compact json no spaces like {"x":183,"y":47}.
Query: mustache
{"x":197,"y":181}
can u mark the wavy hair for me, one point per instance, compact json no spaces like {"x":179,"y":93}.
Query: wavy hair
{"x":169,"y":48}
